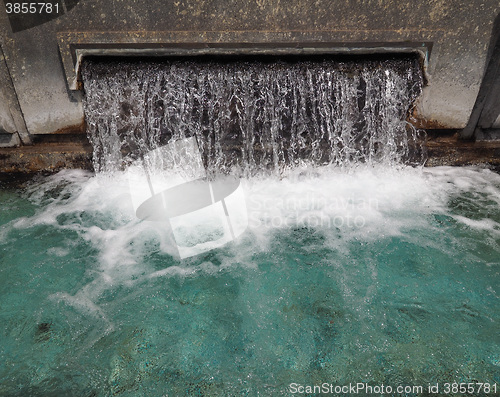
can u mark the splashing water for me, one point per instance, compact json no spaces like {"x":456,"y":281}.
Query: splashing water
{"x":256,"y":115}
{"x":378,"y":274}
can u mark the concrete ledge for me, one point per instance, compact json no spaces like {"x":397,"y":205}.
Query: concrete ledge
{"x":74,"y":46}
{"x":446,"y":148}
{"x":46,"y":157}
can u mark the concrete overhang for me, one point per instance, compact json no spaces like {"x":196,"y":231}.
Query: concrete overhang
{"x":74,"y":46}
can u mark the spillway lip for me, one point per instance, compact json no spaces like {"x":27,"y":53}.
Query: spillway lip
{"x":351,"y":54}
{"x":75,"y":46}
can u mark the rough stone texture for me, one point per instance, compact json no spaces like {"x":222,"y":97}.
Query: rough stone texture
{"x":458,"y":30}
{"x":45,"y":158}
{"x":449,"y":149}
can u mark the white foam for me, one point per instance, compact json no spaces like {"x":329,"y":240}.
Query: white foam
{"x":361,"y":204}
{"x":58,"y":251}
{"x":480,"y":224}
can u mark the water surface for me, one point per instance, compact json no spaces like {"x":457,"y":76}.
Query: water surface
{"x":372,"y":274}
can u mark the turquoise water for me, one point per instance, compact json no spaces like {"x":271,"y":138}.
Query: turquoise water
{"x":383,"y":276}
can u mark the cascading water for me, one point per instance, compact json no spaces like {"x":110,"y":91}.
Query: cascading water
{"x":255,"y":115}
{"x":364,"y":275}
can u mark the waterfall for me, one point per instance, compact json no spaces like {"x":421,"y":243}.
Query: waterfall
{"x":251,"y":116}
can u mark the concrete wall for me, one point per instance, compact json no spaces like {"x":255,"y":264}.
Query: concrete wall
{"x":8,"y":105}
{"x":7,"y":125}
{"x":496,"y":124}
{"x":40,"y":61}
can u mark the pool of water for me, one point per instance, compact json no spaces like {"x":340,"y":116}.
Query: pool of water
{"x":374,"y":275}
